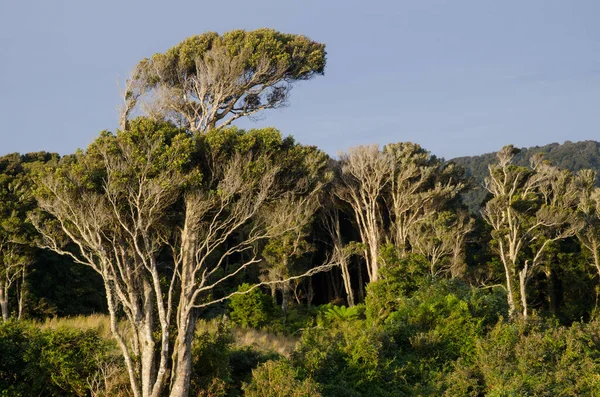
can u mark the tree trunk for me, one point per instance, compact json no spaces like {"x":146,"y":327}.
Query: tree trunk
{"x":347,"y":284}
{"x":335,"y":284}
{"x":273,"y":288}
{"x":522,"y":290}
{"x":4,"y":302}
{"x":550,"y":289}
{"x":183,"y":368}
{"x":361,"y":285}
{"x":597,"y":261}
{"x":512,"y":307}
{"x":310,"y":295}
{"x":22,"y":291}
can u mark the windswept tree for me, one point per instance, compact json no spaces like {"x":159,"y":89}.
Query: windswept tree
{"x":421,"y":189}
{"x":209,"y":81}
{"x":531,"y":208}
{"x":153,"y":192}
{"x":395,"y":194}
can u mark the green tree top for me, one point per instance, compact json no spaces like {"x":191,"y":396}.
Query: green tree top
{"x":208,"y":81}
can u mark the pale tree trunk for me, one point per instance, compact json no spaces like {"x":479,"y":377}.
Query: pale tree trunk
{"x":347,"y":284}
{"x":22,"y":291}
{"x":373,"y":239}
{"x":512,"y":307}
{"x":4,"y":301}
{"x":550,"y":289}
{"x":183,"y":346}
{"x":186,"y":314}
{"x":147,"y":342}
{"x":522,"y":289}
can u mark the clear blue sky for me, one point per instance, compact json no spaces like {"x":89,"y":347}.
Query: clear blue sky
{"x":458,"y":77}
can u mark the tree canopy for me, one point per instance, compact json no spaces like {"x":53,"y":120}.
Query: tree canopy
{"x":210,"y":80}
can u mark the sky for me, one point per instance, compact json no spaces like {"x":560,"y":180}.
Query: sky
{"x":458,"y":77}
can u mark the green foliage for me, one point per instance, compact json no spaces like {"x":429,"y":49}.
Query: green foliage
{"x":301,"y":56}
{"x":357,"y":360}
{"x":213,"y":80}
{"x":252,"y":309}
{"x":242,"y":361}
{"x":279,"y":379}
{"x":398,"y":277}
{"x":436,"y":324}
{"x":542,"y":359}
{"x":16,"y":232}
{"x":49,"y":362}
{"x":343,"y":313}
{"x":211,"y":370}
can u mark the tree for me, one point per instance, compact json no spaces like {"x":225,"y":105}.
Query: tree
{"x":440,"y":238}
{"x":16,"y":233}
{"x":152,"y":190}
{"x":209,"y":81}
{"x":341,"y":253}
{"x":589,"y":206}
{"x":530,"y":209}
{"x":363,"y":174}
{"x":393,"y":192}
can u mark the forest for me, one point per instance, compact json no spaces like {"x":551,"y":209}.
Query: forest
{"x":183,"y":256}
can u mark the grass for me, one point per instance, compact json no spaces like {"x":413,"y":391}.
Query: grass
{"x":264,"y":341}
{"x":260,"y":340}
{"x":98,"y":322}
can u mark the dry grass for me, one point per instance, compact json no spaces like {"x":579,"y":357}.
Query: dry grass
{"x":260,"y":340}
{"x":264,"y":341}
{"x":98,"y":322}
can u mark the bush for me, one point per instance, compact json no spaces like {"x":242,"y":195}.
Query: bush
{"x":349,"y":358}
{"x":399,"y":277}
{"x":542,"y":359}
{"x":210,"y":352}
{"x":279,"y":379}
{"x":252,"y":309}
{"x":51,"y":362}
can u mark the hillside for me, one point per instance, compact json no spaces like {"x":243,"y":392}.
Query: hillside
{"x":573,"y":156}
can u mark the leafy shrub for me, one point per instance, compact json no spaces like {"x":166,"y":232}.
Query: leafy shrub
{"x":348,"y":358}
{"x":252,"y":309}
{"x":279,"y":379}
{"x":538,"y":359}
{"x":210,"y":352}
{"x":52,"y":362}
{"x":241,"y":363}
{"x":399,"y":277}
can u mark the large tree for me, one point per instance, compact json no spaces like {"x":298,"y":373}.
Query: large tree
{"x":392,"y":194}
{"x":153,"y":192}
{"x":531,"y":208}
{"x":208,"y":80}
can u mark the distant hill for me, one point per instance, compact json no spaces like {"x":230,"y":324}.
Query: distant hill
{"x":573,"y":156}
